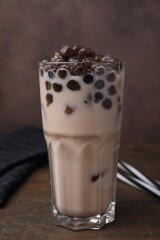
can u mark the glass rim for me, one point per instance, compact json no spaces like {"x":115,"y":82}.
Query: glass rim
{"x":58,"y":62}
{"x":51,"y":63}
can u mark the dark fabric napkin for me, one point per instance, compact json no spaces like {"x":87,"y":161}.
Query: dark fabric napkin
{"x":20,"y":153}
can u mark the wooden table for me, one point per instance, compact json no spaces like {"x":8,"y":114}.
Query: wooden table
{"x":27,"y":214}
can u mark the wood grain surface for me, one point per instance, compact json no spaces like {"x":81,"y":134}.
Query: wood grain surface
{"x":27,"y":214}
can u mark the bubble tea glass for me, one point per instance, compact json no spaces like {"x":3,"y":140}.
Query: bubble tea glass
{"x":81,"y":116}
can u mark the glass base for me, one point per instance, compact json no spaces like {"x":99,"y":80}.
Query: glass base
{"x":94,"y":222}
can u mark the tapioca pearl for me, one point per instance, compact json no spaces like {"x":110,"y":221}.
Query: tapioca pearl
{"x":76,"y":49}
{"x":90,"y":53}
{"x":78,"y":70}
{"x":98,"y":97}
{"x":41,"y":71}
{"x":48,"y":85}
{"x":86,"y":53}
{"x":94,"y":178}
{"x":112,"y":90}
{"x":49,"y":99}
{"x":57,"y":87}
{"x":88,"y":78}
{"x":99,"y":84}
{"x":87,"y":66}
{"x":73,"y":59}
{"x":81,"y":53}
{"x":107,"y":103}
{"x":111,"y":77}
{"x":70,"y":68}
{"x":50,"y":74}
{"x":73,"y":85}
{"x":69,"y":110}
{"x":66,"y":52}
{"x":62,"y":73}
{"x":100,"y":71}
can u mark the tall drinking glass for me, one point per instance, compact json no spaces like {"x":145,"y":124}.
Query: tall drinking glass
{"x":81,"y":116}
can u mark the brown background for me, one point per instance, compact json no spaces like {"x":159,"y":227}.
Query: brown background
{"x":31,"y":30}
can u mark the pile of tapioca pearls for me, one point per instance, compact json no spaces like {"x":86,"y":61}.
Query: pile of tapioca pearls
{"x":98,"y":85}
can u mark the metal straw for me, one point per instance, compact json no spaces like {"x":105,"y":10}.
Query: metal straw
{"x":133,"y":177}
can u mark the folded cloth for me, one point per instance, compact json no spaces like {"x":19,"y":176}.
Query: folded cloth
{"x":20,"y":153}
